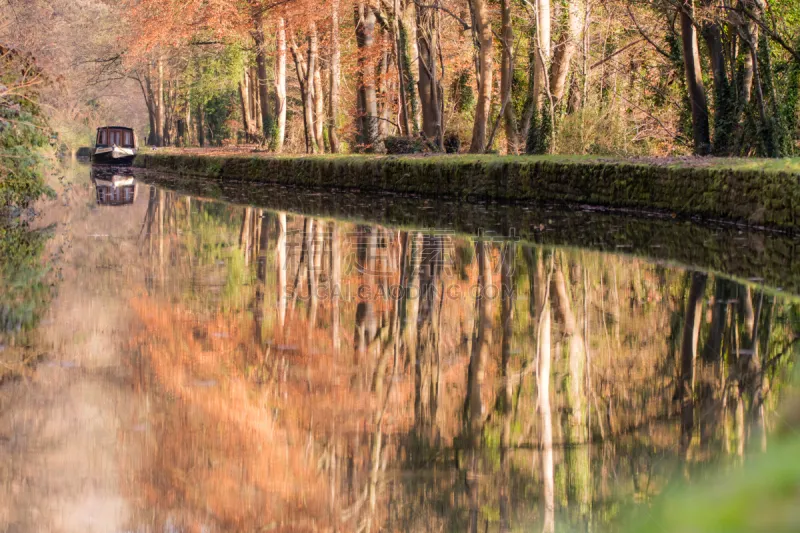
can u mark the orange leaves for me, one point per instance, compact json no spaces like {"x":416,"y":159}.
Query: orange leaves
{"x":172,"y":23}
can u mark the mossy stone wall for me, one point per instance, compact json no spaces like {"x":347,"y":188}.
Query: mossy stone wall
{"x":766,"y":198}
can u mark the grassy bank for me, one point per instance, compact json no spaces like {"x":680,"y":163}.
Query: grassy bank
{"x":764,"y":193}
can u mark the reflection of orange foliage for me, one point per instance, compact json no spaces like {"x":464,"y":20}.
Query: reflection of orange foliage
{"x":325,"y":393}
{"x":239,"y":436}
{"x":219,"y":457}
{"x":242,"y":435}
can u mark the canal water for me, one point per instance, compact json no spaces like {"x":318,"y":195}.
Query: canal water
{"x":195,"y":356}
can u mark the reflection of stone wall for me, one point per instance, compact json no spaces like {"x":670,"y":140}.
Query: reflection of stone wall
{"x":756,"y":255}
{"x":751,"y":196}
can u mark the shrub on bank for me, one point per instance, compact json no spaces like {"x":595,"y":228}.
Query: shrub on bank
{"x":22,"y":134}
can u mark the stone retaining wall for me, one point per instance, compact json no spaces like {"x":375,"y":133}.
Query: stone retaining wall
{"x":762,"y":198}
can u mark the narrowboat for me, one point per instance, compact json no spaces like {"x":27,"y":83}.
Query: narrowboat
{"x":115,"y":145}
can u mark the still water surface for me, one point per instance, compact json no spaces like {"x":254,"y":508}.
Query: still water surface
{"x":208,"y":366}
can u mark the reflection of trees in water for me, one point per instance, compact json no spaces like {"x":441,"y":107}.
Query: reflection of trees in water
{"x":474,"y":414}
{"x":550,"y":403}
{"x":24,"y":290}
{"x":427,"y":360}
{"x":505,"y":399}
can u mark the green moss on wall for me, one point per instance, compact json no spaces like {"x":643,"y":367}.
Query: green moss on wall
{"x":732,"y":190}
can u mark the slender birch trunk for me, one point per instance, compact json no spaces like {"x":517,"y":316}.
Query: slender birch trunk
{"x":542,"y":51}
{"x":280,"y":86}
{"x":333,"y":97}
{"x":244,"y":98}
{"x":160,"y":102}
{"x":565,"y":50}
{"x":319,"y":109}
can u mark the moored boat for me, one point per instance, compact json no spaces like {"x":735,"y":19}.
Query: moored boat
{"x":115,"y":145}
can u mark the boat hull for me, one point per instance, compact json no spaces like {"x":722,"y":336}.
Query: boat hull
{"x":113,"y":156}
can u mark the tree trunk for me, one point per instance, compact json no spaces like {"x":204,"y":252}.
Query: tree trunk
{"x":401,"y":57}
{"x":147,"y":92}
{"x":333,"y":97}
{"x":531,"y":97}
{"x":312,"y":76}
{"x":201,"y":129}
{"x":431,"y":95}
{"x":765,"y":128}
{"x":151,"y":138}
{"x":255,"y":101}
{"x":261,"y":66}
{"x":483,"y":29}
{"x":713,"y":37}
{"x":724,"y":105}
{"x":301,"y":70}
{"x":244,"y":97}
{"x":305,"y":77}
{"x":543,"y":51}
{"x":749,"y":31}
{"x":367,"y":99}
{"x":565,"y":50}
{"x":319,"y":110}
{"x":507,"y":77}
{"x":188,"y":119}
{"x":694,"y":80}
{"x":280,"y":87}
{"x":169,"y":93}
{"x":160,"y":102}
{"x":383,"y":94}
